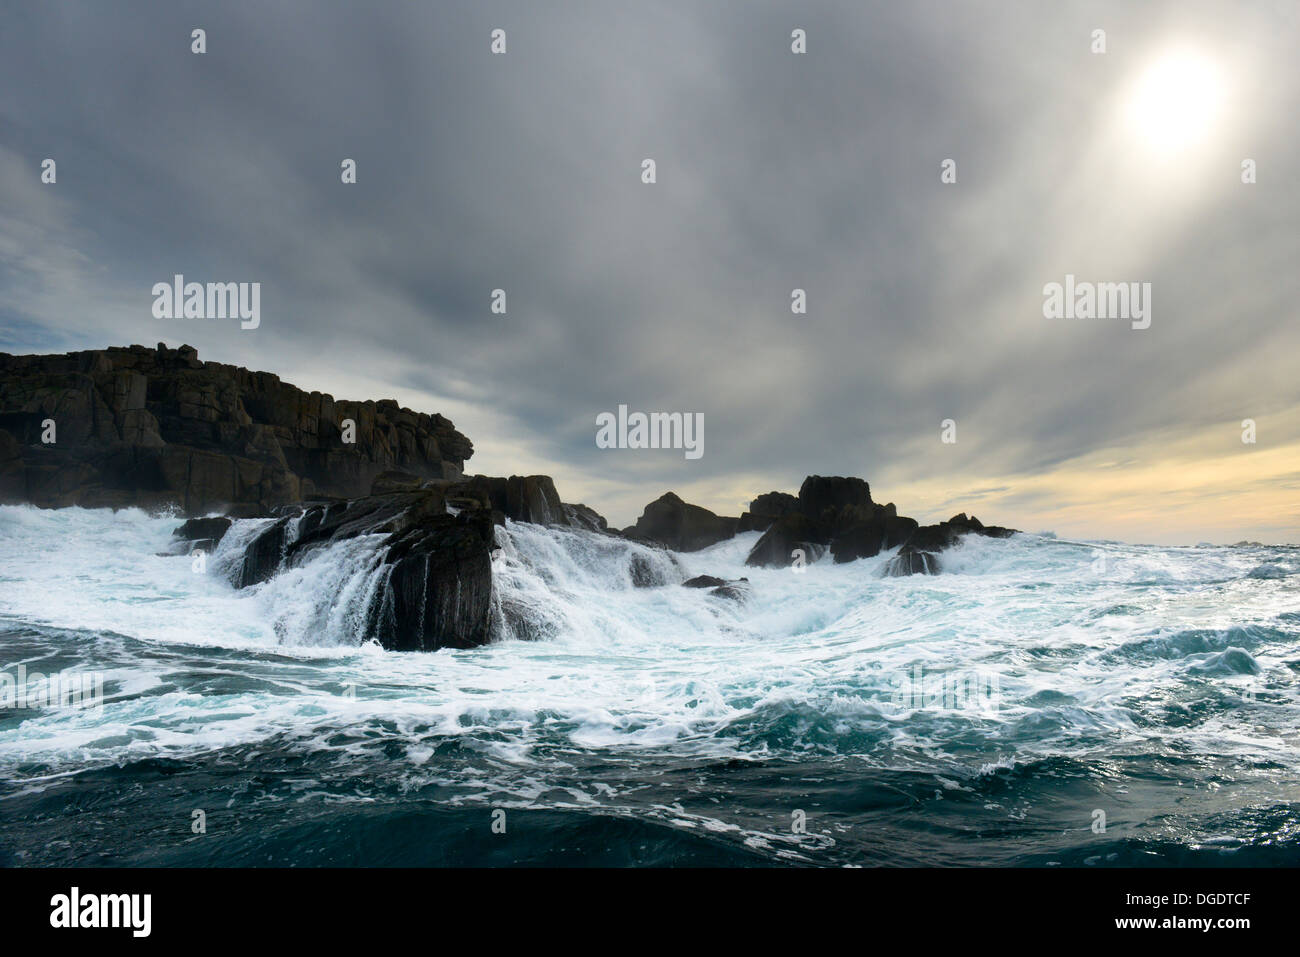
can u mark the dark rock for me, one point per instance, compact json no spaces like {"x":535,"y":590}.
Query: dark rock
{"x":961,"y":524}
{"x":934,"y":538}
{"x":820,"y":494}
{"x":199,"y":528}
{"x":997,"y":531}
{"x":580,"y":516}
{"x":644,"y":574}
{"x":533,"y":498}
{"x":682,"y":527}
{"x":775,"y":549}
{"x":910,"y":561}
{"x":395,"y":481}
{"x":264,"y":555}
{"x":520,"y":498}
{"x":704,"y":581}
{"x":158,"y":428}
{"x":765,"y":510}
{"x":837,"y":511}
{"x":858,"y":539}
{"x":843,"y":516}
{"x":733,"y":590}
{"x":439,"y":592}
{"x":737,"y":590}
{"x":437,"y":587}
{"x":919,"y":556}
{"x":898,"y":529}
{"x":13,"y":478}
{"x":388,"y":514}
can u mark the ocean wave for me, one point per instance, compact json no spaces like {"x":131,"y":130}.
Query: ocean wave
{"x":1155,"y":664}
{"x":1198,"y":641}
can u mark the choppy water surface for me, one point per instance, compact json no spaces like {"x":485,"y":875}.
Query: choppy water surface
{"x":985,"y":715}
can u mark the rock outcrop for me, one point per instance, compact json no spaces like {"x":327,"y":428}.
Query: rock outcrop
{"x":435,"y":584}
{"x":789,"y":533}
{"x":582,"y":516}
{"x":765,"y":510}
{"x":919,"y":554}
{"x":203,"y":534}
{"x":838,"y":513}
{"x":675,"y":524}
{"x":834,"y":513}
{"x":520,"y":498}
{"x":158,"y":427}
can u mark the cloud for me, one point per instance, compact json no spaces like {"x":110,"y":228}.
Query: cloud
{"x":775,"y":171}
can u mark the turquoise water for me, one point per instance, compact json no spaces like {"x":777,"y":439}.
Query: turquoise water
{"x":986,"y":715}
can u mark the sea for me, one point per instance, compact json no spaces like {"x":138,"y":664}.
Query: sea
{"x":1039,"y":702}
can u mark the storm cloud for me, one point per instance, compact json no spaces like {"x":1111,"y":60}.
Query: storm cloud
{"x":775,"y":171}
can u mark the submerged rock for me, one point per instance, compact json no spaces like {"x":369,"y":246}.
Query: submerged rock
{"x":737,"y":590}
{"x":653,"y":568}
{"x":703,"y":581}
{"x":919,"y":556}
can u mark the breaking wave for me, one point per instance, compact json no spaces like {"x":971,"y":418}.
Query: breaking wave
{"x":1008,"y":696}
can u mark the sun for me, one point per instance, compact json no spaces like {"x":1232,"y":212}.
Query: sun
{"x":1175,"y":104}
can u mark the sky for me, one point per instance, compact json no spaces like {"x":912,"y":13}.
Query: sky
{"x":774,"y":171}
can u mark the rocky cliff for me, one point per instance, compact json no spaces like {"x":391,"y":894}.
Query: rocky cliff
{"x":159,"y":427}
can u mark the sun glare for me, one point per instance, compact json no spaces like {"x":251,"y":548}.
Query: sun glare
{"x":1176,"y":102}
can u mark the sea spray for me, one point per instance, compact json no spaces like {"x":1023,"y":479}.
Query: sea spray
{"x":659,"y":720}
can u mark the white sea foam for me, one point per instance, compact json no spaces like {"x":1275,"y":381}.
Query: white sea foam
{"x":1081,"y":657}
